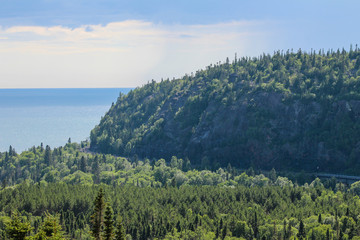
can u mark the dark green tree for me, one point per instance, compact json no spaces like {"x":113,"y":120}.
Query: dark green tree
{"x":272,"y":175}
{"x":108,"y":223}
{"x":224,"y":232}
{"x":187,"y":165}
{"x":48,"y":155}
{"x":320,"y":218}
{"x":83,"y":164}
{"x":255,"y":225}
{"x":97,"y":219}
{"x":301,"y":234}
{"x":120,"y":230}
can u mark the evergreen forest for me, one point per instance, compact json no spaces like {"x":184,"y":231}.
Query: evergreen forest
{"x":59,"y":193}
{"x":289,"y":110}
{"x":233,"y":151}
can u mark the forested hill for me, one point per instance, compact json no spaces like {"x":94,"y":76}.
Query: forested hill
{"x":289,"y":110}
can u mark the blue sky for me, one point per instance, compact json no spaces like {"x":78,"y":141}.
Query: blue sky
{"x":107,"y":43}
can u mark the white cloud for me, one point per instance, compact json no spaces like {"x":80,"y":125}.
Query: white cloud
{"x":119,"y":54}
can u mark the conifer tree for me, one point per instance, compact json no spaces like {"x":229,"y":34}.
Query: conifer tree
{"x":328,"y":234}
{"x":272,"y":175}
{"x":255,"y":225}
{"x":108,"y":223}
{"x":10,"y":151}
{"x":97,"y":219}
{"x":224,"y":232}
{"x":17,"y":229}
{"x":47,"y":156}
{"x":301,"y":233}
{"x":320,"y":218}
{"x":83,"y":164}
{"x":50,"y":229}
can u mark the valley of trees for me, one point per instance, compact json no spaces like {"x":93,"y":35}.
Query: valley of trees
{"x":230,"y":152}
{"x":54,"y":194}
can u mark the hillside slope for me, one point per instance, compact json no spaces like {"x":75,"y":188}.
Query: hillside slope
{"x":286,"y":110}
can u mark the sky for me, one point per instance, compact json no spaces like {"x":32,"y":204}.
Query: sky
{"x":116,"y":43}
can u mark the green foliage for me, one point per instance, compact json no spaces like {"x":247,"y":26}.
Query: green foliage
{"x":229,"y":212}
{"x":301,"y":107}
{"x":120,"y":230}
{"x":17,"y":228}
{"x":97,"y":219}
{"x":50,"y":229}
{"x":29,"y":167}
{"x":108,"y":223}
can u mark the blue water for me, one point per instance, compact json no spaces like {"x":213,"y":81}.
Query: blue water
{"x":29,"y":117}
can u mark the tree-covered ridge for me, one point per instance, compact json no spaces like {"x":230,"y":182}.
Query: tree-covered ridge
{"x":289,"y":110}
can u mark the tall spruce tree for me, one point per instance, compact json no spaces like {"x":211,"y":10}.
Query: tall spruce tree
{"x":97,"y":219}
{"x":83,"y":164}
{"x":108,"y":223}
{"x":48,"y":156}
{"x":120,"y":230}
{"x":301,"y":234}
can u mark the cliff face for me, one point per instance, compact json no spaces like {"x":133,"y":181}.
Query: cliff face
{"x":248,"y":113}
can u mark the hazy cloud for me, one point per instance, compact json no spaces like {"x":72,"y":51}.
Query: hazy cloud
{"x":120,"y":54}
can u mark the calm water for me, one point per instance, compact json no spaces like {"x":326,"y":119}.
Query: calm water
{"x":31,"y":116}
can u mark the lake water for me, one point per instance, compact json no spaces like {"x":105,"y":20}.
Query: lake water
{"x":29,"y":117}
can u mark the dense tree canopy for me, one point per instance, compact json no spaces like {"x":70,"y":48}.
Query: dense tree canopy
{"x":173,"y":175}
{"x":290,"y":110}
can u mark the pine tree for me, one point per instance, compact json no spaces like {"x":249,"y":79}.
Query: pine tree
{"x":83,"y":164}
{"x":328,"y":234}
{"x":187,"y":165}
{"x":50,"y":229}
{"x":217,"y":232}
{"x":255,"y":225}
{"x":47,"y":156}
{"x":108,"y":223}
{"x":17,"y":229}
{"x":272,"y":175}
{"x":341,"y":235}
{"x":301,"y":233}
{"x":319,"y":218}
{"x":313,"y":235}
{"x":97,"y":219}
{"x":12,"y":152}
{"x":224,"y":232}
